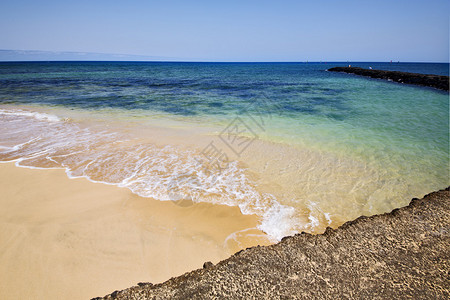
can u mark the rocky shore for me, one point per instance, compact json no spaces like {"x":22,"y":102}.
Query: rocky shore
{"x":436,"y":81}
{"x":401,"y":254}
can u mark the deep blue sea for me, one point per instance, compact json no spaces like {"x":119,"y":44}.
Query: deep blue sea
{"x":310,"y":148}
{"x":180,"y":88}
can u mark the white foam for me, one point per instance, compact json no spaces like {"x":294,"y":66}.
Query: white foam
{"x":36,"y":115}
{"x":17,"y":164}
{"x":314,"y":222}
{"x":328,"y":217}
{"x":279,"y":221}
{"x":163,"y":173}
{"x":234,"y":236}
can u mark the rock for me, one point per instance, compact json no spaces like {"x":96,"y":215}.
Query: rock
{"x":436,"y":81}
{"x":207,"y":265}
{"x":144,"y":283}
{"x":114,"y":294}
{"x":397,"y":255}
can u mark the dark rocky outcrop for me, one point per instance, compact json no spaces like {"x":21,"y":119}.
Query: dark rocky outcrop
{"x":436,"y":81}
{"x":208,"y":264}
{"x":398,"y":255}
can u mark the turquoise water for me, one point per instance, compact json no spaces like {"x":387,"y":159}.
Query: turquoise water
{"x":353,"y":145}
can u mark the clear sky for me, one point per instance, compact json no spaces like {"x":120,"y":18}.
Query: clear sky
{"x":245,"y":30}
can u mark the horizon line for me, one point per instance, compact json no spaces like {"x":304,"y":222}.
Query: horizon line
{"x":115,"y":57}
{"x":206,"y":61}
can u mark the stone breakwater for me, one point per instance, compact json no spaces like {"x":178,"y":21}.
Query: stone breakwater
{"x":436,"y":81}
{"x":401,"y":254}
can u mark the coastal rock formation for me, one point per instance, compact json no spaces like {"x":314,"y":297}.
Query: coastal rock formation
{"x":397,"y":255}
{"x":436,"y":81}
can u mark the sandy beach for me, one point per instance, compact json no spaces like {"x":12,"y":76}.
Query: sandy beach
{"x":224,"y":150}
{"x":74,"y":239}
{"x":398,"y":255}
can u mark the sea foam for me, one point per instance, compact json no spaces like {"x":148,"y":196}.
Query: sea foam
{"x":166,"y":173}
{"x":36,"y":115}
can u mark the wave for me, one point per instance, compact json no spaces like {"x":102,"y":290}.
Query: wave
{"x":166,"y":173}
{"x":36,"y":115}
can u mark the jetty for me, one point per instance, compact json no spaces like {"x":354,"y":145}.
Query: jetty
{"x":436,"y":81}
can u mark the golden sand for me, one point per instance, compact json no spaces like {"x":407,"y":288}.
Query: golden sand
{"x":74,"y":239}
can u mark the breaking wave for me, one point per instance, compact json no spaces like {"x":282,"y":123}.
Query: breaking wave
{"x":167,"y":173}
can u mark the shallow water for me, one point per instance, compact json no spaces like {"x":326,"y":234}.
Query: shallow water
{"x":298,"y":146}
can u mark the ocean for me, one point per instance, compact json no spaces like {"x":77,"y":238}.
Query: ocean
{"x":291,"y":143}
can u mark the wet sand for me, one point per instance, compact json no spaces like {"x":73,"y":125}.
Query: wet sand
{"x":74,"y":239}
{"x":398,"y":255}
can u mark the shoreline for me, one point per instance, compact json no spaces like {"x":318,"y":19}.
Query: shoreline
{"x":268,"y":170}
{"x":436,"y":81}
{"x":74,"y":238}
{"x":403,"y":253}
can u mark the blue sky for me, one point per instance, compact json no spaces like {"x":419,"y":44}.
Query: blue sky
{"x":284,"y":30}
